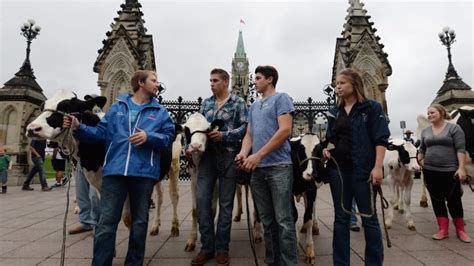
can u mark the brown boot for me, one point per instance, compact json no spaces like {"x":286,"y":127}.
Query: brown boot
{"x":223,"y":258}
{"x":26,"y":187}
{"x":45,"y":189}
{"x":201,"y":258}
{"x":79,"y":229}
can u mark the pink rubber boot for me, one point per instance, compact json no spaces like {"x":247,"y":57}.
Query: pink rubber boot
{"x":443,"y":232}
{"x":459,"y":223}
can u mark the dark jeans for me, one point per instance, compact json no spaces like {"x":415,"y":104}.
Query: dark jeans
{"x":215,"y":166}
{"x":359,"y":190}
{"x":443,"y":187}
{"x":114,"y":192}
{"x":37,"y":168}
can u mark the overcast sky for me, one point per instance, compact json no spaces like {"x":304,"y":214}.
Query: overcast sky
{"x":192,"y":37}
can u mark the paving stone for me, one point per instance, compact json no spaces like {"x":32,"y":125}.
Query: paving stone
{"x":31,"y":234}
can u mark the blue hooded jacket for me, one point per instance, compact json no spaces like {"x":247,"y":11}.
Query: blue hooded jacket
{"x":122,"y":157}
{"x":369,"y":128}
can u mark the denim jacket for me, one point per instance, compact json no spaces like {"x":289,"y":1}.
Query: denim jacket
{"x":122,"y":157}
{"x":369,"y":128}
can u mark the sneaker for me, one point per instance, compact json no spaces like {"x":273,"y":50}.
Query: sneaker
{"x":27,"y":188}
{"x":44,"y":189}
{"x":355,"y":228}
{"x":56,"y":185}
{"x":223,"y":258}
{"x":201,"y":258}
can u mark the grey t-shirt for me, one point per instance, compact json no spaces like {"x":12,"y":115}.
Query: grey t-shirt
{"x":263,"y":119}
{"x":441,"y":150}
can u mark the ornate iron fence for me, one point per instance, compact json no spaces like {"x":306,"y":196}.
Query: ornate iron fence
{"x":310,"y":116}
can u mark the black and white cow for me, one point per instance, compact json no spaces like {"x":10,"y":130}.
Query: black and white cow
{"x":48,"y":125}
{"x":399,"y":164}
{"x":195,"y":130}
{"x":464,"y":117}
{"x":306,"y":169}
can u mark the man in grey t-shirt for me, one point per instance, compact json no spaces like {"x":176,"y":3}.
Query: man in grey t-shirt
{"x":267,"y":136}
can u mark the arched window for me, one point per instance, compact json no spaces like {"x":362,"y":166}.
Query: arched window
{"x":8,"y":127}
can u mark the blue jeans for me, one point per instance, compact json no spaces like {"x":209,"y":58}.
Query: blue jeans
{"x":359,"y":190}
{"x":353,"y":216}
{"x":215,"y":165}
{"x":37,"y":168}
{"x":271,"y":191}
{"x":87,"y":200}
{"x":114,"y":192}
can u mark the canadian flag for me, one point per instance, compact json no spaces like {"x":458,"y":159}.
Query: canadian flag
{"x":242,"y":21}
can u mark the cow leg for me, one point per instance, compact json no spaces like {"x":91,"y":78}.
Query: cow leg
{"x":407,"y":202}
{"x":238,"y":193}
{"x":401,"y":208}
{"x":424,"y":199}
{"x":315,"y":221}
{"x":173,"y":177}
{"x":155,"y":229}
{"x":191,"y":242}
{"x":310,"y":197}
{"x":393,"y":200}
{"x":126,"y":216}
{"x":257,"y":225}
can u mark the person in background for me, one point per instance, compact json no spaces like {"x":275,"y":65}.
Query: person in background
{"x":58,"y":160}
{"x":354,"y":226}
{"x":443,"y":149}
{"x":37,"y":150}
{"x":408,"y":137}
{"x":5,"y":165}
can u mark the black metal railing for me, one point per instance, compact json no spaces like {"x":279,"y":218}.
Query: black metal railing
{"x":310,"y":116}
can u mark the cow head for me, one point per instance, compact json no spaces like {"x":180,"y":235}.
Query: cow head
{"x":464,"y":117}
{"x":406,"y":154}
{"x":48,"y":124}
{"x":196,"y":129}
{"x":303,"y":151}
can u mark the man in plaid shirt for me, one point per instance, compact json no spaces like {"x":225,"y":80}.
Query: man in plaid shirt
{"x":217,"y":162}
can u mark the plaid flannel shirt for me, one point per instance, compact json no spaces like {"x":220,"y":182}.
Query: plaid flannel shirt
{"x":234,"y":114}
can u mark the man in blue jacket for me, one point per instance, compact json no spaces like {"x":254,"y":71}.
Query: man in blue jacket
{"x":135,"y":129}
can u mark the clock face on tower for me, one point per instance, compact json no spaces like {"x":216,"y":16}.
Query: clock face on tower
{"x":240,"y":65}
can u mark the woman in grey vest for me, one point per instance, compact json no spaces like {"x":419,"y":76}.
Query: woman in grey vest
{"x":443,"y":149}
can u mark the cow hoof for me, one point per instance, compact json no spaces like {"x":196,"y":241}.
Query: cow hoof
{"x":401,"y":211}
{"x":189,"y":247}
{"x":77,"y":210}
{"x":310,"y":258}
{"x":424,"y":204}
{"x":258,"y":239}
{"x":315,"y":231}
{"x":303,"y":230}
{"x":237,"y":218}
{"x":388,"y":225}
{"x":174,"y":231}
{"x":154,"y":230}
{"x":395,"y":207}
{"x":412,"y":227}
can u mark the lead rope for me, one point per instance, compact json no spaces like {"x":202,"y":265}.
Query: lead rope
{"x":63,"y":247}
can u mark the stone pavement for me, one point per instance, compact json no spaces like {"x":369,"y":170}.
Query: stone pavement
{"x":31,"y":234}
